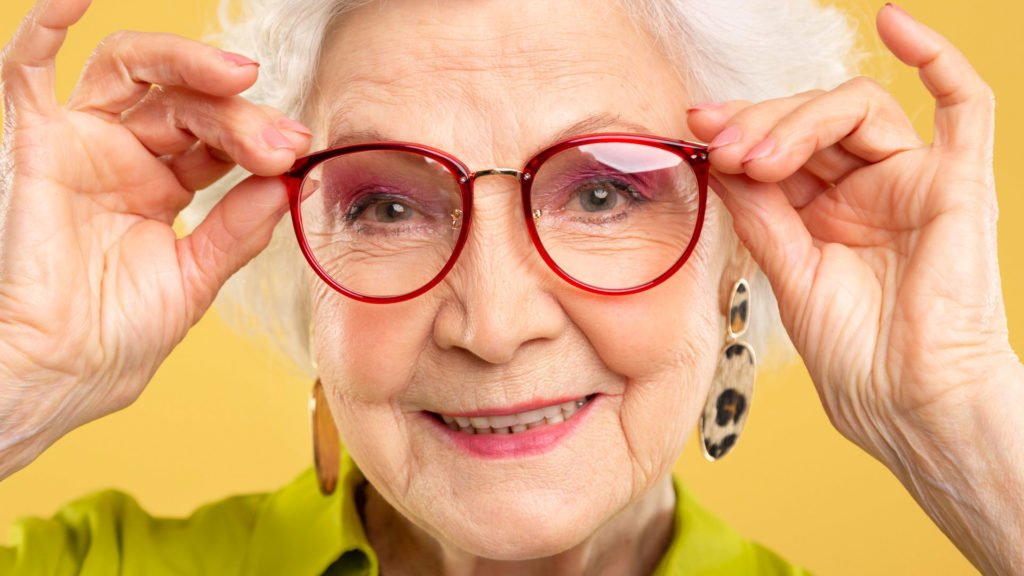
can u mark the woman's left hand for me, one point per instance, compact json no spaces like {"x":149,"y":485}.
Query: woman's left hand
{"x":881,"y":250}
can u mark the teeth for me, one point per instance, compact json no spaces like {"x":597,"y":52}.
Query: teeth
{"x":530,"y":417}
{"x":503,"y":421}
{"x":514,"y":423}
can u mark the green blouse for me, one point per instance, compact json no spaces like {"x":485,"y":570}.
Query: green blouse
{"x":294,"y":531}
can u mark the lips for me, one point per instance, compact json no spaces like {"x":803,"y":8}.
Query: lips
{"x":517,"y":422}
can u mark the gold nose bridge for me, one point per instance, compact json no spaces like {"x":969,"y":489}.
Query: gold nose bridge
{"x":501,"y":172}
{"x":456,"y":214}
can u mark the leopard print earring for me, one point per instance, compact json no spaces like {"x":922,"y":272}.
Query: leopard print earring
{"x":728,"y":403}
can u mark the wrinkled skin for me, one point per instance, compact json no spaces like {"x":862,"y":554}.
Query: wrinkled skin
{"x":502,"y":330}
{"x":850,"y":215}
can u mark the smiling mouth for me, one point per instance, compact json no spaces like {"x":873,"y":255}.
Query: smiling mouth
{"x":516,"y":423}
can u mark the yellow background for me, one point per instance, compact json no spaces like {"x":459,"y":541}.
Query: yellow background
{"x":223,"y":416}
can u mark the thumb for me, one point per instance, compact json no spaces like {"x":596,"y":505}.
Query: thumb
{"x":237,"y":229}
{"x":774,"y":234}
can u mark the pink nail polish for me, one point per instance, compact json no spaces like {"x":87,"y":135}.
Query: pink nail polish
{"x":706,"y":107}
{"x":275,"y":140}
{"x":237,"y":59}
{"x":730,"y":135}
{"x":762,"y":150}
{"x":293,"y":126}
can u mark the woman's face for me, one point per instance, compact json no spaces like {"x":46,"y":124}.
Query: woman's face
{"x":502,"y":334}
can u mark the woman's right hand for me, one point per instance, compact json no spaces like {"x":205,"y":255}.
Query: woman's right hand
{"x":95,"y":287}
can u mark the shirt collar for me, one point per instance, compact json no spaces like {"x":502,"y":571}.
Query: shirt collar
{"x":298,"y":530}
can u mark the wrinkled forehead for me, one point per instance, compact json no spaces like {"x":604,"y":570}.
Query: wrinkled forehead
{"x":492,"y":81}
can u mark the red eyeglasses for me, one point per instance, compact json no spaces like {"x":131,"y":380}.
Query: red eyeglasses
{"x":609,"y":213}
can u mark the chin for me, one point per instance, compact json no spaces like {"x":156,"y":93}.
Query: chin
{"x":526,"y":524}
{"x":524,"y":538}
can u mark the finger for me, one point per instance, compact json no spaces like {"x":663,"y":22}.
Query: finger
{"x":27,"y":62}
{"x":259,"y":138}
{"x":237,"y":229}
{"x":860,"y":116}
{"x":152,"y":122}
{"x":771,"y":229}
{"x":744,"y":129}
{"x":125,"y":65}
{"x":964,"y":104}
{"x":709,"y":121}
{"x":803,"y":188}
{"x":199,"y":167}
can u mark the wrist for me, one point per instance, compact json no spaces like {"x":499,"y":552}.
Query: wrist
{"x":30,"y":421}
{"x":18,"y":451}
{"x":963,"y":461}
{"x":986,"y":409}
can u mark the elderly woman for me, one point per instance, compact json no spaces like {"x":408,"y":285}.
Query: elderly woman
{"x":523,"y":296}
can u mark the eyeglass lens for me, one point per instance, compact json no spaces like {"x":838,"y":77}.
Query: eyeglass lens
{"x":611,"y":215}
{"x":615,"y":215}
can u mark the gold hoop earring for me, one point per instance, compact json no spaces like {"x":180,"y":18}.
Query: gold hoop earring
{"x":728,"y":403}
{"x":326,"y":445}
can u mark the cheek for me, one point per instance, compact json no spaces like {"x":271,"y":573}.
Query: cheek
{"x":670,"y":328}
{"x":664,"y":342}
{"x":365,"y":355}
{"x":366,"y":352}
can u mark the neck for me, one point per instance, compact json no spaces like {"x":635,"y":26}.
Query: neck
{"x":631,"y":543}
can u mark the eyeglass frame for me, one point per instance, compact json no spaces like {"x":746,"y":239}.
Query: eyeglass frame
{"x":695,"y":154}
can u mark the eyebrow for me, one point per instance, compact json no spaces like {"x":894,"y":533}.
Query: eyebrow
{"x":596,"y":123}
{"x":588,"y":125}
{"x":345,"y":137}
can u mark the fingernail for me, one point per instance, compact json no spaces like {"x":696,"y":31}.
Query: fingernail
{"x":763,"y":149}
{"x":898,"y":9}
{"x":275,"y":140}
{"x":706,"y":107}
{"x":237,"y":59}
{"x":730,"y":135}
{"x":293,"y":126}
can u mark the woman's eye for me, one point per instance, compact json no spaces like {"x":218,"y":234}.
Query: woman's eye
{"x":391,"y":211}
{"x":600,"y":196}
{"x":381,"y":209}
{"x":598,"y":199}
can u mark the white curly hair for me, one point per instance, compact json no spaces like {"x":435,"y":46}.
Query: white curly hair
{"x":724,"y":50}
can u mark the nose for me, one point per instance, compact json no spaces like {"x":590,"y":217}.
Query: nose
{"x":500,"y":295}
